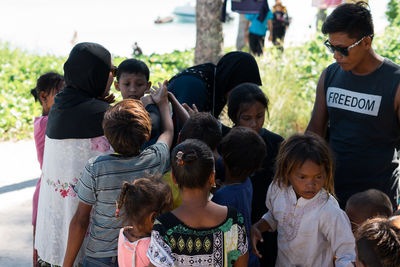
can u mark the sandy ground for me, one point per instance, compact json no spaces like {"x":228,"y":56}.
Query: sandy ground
{"x":20,"y":171}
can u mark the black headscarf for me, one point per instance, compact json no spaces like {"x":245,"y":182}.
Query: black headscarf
{"x":76,"y":112}
{"x":233,"y":69}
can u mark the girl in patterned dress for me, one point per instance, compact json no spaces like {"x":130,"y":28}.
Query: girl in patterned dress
{"x":312,"y":229}
{"x":142,"y":201}
{"x":199,"y":232}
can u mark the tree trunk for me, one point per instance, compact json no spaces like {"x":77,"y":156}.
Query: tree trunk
{"x":240,"y":39}
{"x":209,"y":35}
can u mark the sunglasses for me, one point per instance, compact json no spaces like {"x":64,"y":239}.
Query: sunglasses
{"x":343,"y":50}
{"x":114,"y":71}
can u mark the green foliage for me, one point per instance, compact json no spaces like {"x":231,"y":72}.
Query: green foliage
{"x":392,"y":12}
{"x":19,"y":71}
{"x":289,"y":81}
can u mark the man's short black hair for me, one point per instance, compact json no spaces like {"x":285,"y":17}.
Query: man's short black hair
{"x":353,"y":19}
{"x":133,"y":66}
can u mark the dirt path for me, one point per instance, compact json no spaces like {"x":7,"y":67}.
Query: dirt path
{"x":19,"y":173}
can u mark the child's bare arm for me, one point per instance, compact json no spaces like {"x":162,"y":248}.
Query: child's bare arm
{"x":255,"y":234}
{"x":77,"y":231}
{"x":180,"y":111}
{"x":160,"y":97}
{"x":242,"y":261}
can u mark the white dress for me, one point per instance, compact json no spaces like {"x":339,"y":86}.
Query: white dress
{"x":63,"y":164}
{"x":310,"y":231}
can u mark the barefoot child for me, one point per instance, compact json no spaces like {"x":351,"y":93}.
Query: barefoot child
{"x":199,"y":232}
{"x":312,"y":228}
{"x":140,"y":203}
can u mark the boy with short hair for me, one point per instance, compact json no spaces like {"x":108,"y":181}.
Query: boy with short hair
{"x":366,"y":205}
{"x":243,"y":151}
{"x":132,"y":79}
{"x":378,"y":243}
{"x":126,"y":126}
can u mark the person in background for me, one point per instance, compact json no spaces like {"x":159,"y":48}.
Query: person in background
{"x":366,"y":205}
{"x":47,"y":86}
{"x":280,"y":23}
{"x":73,"y":135}
{"x":359,"y":97}
{"x":257,"y":31}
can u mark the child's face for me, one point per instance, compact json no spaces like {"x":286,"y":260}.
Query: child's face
{"x":307,"y":180}
{"x":47,"y":99}
{"x":251,"y":115}
{"x":132,"y":85}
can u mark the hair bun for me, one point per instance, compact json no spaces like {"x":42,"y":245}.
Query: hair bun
{"x":190,"y":156}
{"x":34,"y":93}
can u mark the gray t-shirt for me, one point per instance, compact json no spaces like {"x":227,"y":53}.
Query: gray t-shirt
{"x":100,"y":186}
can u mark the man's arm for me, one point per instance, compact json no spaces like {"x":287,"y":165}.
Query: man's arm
{"x":319,"y":116}
{"x":77,"y":231}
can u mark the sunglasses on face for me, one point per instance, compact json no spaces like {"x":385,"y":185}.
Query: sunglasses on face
{"x":114,"y":71}
{"x":343,"y":50}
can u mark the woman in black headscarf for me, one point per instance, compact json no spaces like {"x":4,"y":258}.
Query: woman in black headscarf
{"x":74,"y":134}
{"x":208,"y":85}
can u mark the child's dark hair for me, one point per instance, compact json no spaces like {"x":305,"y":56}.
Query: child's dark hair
{"x":127,"y":126}
{"x":143,"y":196}
{"x":371,"y":203}
{"x":192,"y":163}
{"x":378,"y":243}
{"x":353,"y":19}
{"x":245,"y":93}
{"x":299,"y":148}
{"x":48,"y":83}
{"x":133,"y":66}
{"x":202,"y":126}
{"x":243,"y":151}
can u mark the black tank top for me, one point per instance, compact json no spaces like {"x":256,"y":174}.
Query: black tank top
{"x":364,"y":129}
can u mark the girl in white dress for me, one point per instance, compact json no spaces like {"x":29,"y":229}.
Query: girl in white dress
{"x":312,"y":229}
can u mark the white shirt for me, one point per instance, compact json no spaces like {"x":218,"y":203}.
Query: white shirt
{"x":310,"y":231}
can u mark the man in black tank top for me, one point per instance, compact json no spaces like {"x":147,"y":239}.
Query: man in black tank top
{"x":359,"y":97}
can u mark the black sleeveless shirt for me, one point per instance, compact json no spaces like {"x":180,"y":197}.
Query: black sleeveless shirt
{"x":364,"y":129}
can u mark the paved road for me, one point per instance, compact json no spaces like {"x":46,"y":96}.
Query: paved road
{"x":19,"y":173}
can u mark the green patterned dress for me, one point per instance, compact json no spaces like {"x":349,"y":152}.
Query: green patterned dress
{"x":175,"y":244}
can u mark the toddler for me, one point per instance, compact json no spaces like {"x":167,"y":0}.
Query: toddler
{"x":312,"y":228}
{"x":140,"y":203}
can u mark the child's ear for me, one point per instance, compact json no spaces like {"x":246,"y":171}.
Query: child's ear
{"x":148,"y":85}
{"x":211,"y":180}
{"x":116,"y":85}
{"x":153,"y":216}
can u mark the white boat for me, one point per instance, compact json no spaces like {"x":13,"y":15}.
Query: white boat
{"x":185,"y":13}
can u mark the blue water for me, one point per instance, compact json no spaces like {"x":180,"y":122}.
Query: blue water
{"x":47,"y":26}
